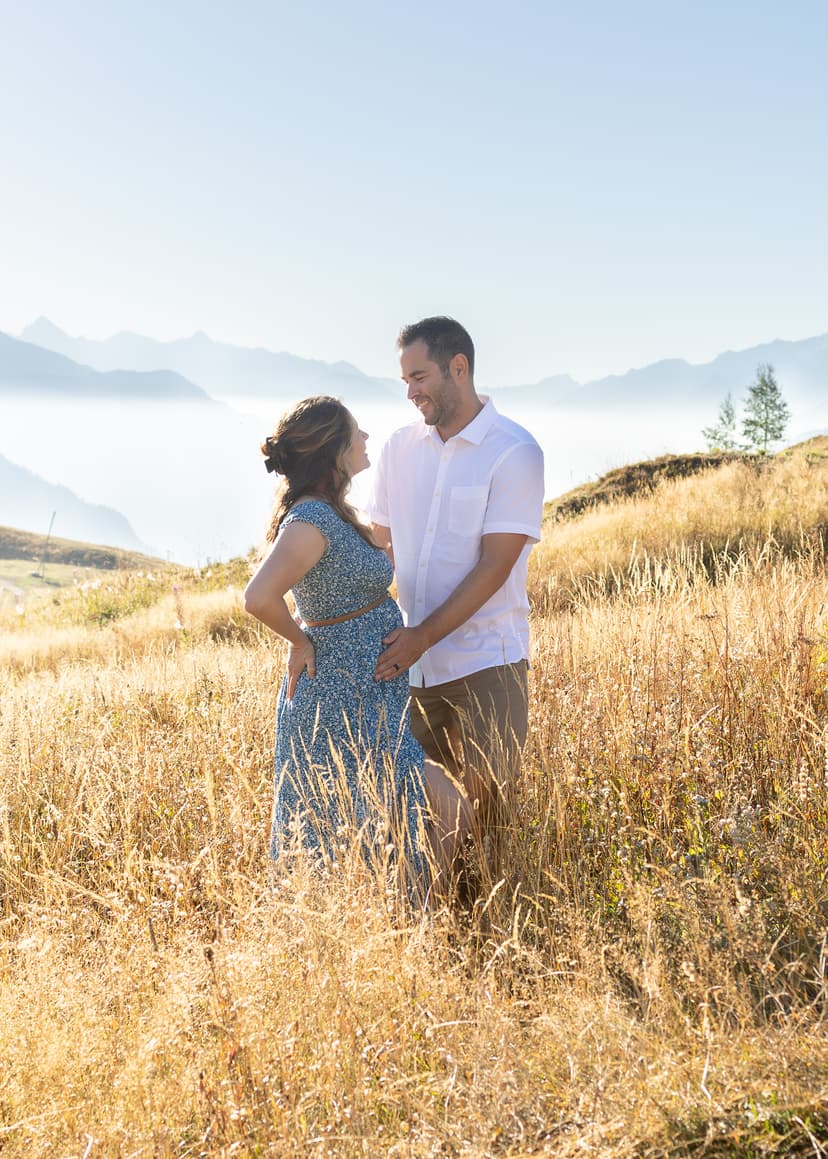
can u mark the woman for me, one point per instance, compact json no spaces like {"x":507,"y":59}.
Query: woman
{"x":346,"y":761}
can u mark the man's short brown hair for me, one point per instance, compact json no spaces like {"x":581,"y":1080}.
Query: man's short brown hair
{"x":443,"y":338}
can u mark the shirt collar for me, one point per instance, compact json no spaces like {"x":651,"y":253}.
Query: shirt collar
{"x":473,"y":432}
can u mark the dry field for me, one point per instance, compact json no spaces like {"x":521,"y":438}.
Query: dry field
{"x":647,"y":977}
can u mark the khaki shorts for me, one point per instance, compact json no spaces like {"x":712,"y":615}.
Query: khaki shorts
{"x":476,"y":727}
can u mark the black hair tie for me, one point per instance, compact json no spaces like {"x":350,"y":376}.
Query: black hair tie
{"x":274,"y":462}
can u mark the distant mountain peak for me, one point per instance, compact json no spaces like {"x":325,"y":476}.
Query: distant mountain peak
{"x":42,"y":328}
{"x":347,"y":368}
{"x":560,"y":380}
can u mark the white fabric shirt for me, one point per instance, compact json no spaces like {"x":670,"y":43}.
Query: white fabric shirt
{"x":438,"y":500}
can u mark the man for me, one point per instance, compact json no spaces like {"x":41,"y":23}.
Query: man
{"x":458,"y":502}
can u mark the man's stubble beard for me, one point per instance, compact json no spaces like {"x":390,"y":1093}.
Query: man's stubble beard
{"x":445,"y":404}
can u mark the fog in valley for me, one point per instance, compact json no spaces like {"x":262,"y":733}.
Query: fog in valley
{"x":189,"y":476}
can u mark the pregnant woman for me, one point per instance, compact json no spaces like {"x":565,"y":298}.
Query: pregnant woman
{"x":346,"y":761}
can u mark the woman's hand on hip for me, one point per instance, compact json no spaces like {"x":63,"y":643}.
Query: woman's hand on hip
{"x":301,"y":657}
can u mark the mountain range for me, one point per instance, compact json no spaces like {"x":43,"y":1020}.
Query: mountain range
{"x":28,"y":369}
{"x":152,"y":441}
{"x":801,"y":368}
{"x":673,"y":384}
{"x":220,"y":368}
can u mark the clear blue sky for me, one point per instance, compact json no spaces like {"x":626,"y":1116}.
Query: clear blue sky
{"x":588,"y":186}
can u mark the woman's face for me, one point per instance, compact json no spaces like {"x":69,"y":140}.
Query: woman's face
{"x":355,"y":458}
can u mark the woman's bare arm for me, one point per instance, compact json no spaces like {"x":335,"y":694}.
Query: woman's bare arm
{"x":298,"y":547}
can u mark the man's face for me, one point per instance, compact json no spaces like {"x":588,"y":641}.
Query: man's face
{"x":435,"y":394}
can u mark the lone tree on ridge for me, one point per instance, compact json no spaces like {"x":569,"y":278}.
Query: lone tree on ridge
{"x":766,"y":412}
{"x":721,"y":436}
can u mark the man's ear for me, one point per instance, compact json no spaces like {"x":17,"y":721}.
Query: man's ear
{"x":459,"y":367}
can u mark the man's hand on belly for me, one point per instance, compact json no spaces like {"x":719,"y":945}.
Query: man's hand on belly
{"x":498,"y":555}
{"x":403,"y":647}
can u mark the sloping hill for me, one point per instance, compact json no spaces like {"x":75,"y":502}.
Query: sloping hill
{"x":32,"y":565}
{"x":815,"y":449}
{"x":30,"y":547}
{"x":652,"y":522}
{"x":634,"y":479}
{"x":27,"y":500}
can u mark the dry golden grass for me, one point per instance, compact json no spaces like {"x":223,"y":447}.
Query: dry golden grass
{"x":706,"y":520}
{"x":648,"y":976}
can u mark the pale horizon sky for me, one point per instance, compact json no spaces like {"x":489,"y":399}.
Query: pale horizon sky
{"x":586,"y":187}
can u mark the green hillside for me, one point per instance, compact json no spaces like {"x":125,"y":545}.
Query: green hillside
{"x":26,"y":545}
{"x":32,"y":564}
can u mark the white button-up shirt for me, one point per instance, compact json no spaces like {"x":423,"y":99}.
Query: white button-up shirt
{"x":438,"y":500}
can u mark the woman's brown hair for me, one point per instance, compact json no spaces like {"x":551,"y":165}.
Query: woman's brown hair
{"x":307,"y":449}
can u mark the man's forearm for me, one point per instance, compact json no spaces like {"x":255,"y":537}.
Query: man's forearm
{"x":404,"y":646}
{"x":485,"y":578}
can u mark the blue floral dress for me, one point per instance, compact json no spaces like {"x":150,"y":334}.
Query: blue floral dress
{"x":346,"y":760}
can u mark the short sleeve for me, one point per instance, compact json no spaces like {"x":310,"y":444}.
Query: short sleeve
{"x":378,"y":506}
{"x":516,"y":493}
{"x":318,"y":514}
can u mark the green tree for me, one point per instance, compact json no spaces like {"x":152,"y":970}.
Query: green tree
{"x":722,"y":435}
{"x":766,"y":412}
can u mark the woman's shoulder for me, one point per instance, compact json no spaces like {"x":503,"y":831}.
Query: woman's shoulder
{"x":315,"y":511}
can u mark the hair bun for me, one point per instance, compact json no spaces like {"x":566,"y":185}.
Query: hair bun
{"x":273,"y":459}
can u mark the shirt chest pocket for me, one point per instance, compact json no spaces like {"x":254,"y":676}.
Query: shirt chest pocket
{"x":467,"y":510}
